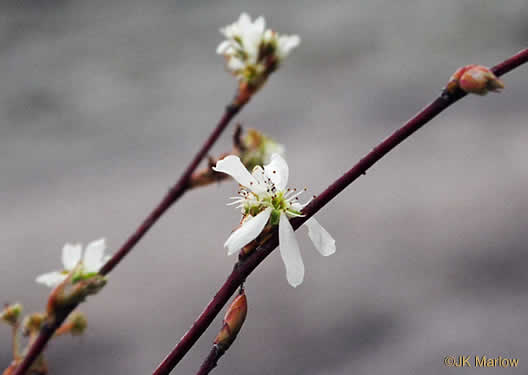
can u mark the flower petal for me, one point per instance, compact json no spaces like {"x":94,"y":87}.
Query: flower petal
{"x":93,"y":255}
{"x":232,"y":166}
{"x":277,"y":171}
{"x":322,"y":240}
{"x":71,"y":255}
{"x":244,"y":22}
{"x":247,"y":232}
{"x":286,"y":43}
{"x":290,"y":252}
{"x":259,"y":24}
{"x":51,"y":279}
{"x":223,"y":47}
{"x":235,"y":64}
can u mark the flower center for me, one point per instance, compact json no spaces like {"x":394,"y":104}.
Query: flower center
{"x":252,"y":203}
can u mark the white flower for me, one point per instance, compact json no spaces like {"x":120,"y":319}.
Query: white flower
{"x":85,"y":266}
{"x":250,"y":49}
{"x":264,"y":198}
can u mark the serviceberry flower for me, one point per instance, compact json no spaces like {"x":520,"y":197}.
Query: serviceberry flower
{"x":265,"y":199}
{"x":82,"y":266}
{"x":252,"y":52}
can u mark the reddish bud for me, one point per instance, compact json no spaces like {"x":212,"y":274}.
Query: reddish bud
{"x":475,"y":79}
{"x":233,"y":320}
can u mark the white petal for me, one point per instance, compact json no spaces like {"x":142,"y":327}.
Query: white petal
{"x":230,"y":31}
{"x":232,"y":166}
{"x":286,"y":44}
{"x":290,"y":252}
{"x":71,"y":255}
{"x":223,"y":47}
{"x":259,"y":24}
{"x":277,"y":171}
{"x":267,"y":36}
{"x":51,"y":279}
{"x":247,"y":232}
{"x":235,"y":64}
{"x":251,"y":42}
{"x":322,"y":240}
{"x":94,"y":255}
{"x":244,"y":22}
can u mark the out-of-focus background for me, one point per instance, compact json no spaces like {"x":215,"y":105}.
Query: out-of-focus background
{"x":103,"y":103}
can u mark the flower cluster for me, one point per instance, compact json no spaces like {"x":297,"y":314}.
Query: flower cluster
{"x":252,"y":51}
{"x":264,"y":199}
{"x":81,"y":267}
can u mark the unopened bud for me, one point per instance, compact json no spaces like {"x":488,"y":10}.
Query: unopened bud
{"x":11,"y":313}
{"x":258,"y":148}
{"x":79,"y":323}
{"x":233,"y":320}
{"x":475,"y":79}
{"x":33,"y":322}
{"x":67,"y":294}
{"x":75,"y":325}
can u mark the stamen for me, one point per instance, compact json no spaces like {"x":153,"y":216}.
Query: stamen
{"x":294,"y":196}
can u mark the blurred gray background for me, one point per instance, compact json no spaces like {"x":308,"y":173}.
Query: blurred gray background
{"x":102,"y":104}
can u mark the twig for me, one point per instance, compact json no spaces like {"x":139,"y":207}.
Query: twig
{"x":49,"y":328}
{"x":244,"y":269}
{"x":211,"y":360}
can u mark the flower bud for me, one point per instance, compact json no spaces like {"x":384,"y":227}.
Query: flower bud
{"x":11,"y":313}
{"x":258,"y":148}
{"x":33,"y":322}
{"x":79,"y":323}
{"x":68,"y":294}
{"x":233,"y":320}
{"x":475,"y":79}
{"x":75,"y":325}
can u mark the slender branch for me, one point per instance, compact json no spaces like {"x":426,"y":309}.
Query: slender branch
{"x":174,"y":193}
{"x":49,"y":328}
{"x":244,"y":269}
{"x":211,"y":360}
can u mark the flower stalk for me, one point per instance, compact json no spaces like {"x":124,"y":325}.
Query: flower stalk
{"x":244,"y":269}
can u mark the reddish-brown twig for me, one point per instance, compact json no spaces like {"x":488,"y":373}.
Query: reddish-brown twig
{"x":244,"y":268}
{"x":211,"y":360}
